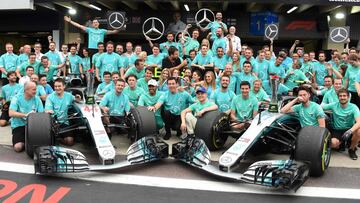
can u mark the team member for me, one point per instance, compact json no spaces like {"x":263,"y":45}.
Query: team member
{"x":223,"y":96}
{"x":42,"y":81}
{"x":294,"y":74}
{"x":20,"y":107}
{"x":234,"y":77}
{"x":85,"y":61}
{"x":114,"y":77}
{"x":190,"y":115}
{"x":219,"y":41}
{"x":149,"y":99}
{"x":75,"y":61}
{"x":213,"y":26}
{"x":191,"y":43}
{"x":345,"y":121}
{"x":246,"y":74}
{"x":40,"y":91}
{"x":130,"y":54}
{"x":8,"y":62}
{"x":248,"y":56}
{"x":26,"y":78}
{"x":236,"y":42}
{"x":352,"y":72}
{"x":7,"y":93}
{"x":164,"y":47}
{"x":138,"y":70}
{"x":115,"y":104}
{"x":143,"y":82}
{"x":221,"y":59}
{"x":173,"y":62}
{"x":174,"y":102}
{"x":95,"y":34}
{"x":58,"y":104}
{"x":37,"y":48}
{"x":132,"y":91}
{"x":244,"y":107}
{"x":108,"y":61}
{"x":276,"y":69}
{"x":259,"y":92}
{"x":64,"y":53}
{"x":100,"y":48}
{"x":310,"y":113}
{"x":307,"y":67}
{"x":203,"y":60}
{"x":107,"y":81}
{"x":53,"y":55}
{"x":320,"y":70}
{"x":49,"y":69}
{"x":261,"y":67}
{"x":25,"y":55}
{"x":155,"y":59}
{"x":21,"y":69}
{"x":331,"y":96}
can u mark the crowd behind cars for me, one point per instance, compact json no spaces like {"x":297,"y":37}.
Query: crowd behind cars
{"x":218,"y":73}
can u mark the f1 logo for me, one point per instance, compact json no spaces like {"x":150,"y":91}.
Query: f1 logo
{"x":301,"y":24}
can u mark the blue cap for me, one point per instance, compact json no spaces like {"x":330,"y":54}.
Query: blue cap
{"x":201,"y":89}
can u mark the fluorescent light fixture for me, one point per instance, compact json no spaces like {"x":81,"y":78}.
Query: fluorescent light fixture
{"x":328,"y":18}
{"x":292,"y":9}
{"x":186,"y":7}
{"x":339,"y":15}
{"x":72,"y":11}
{"x":94,"y":7}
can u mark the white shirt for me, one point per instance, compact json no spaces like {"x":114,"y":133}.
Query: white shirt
{"x":63,"y":56}
{"x":38,"y":56}
{"x":23,"y":80}
{"x":236,"y":43}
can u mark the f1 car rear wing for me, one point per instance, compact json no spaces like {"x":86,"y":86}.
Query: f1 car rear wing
{"x":285,"y":174}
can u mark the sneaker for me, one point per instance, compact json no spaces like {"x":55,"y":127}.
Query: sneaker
{"x":167,"y":136}
{"x":352,"y":154}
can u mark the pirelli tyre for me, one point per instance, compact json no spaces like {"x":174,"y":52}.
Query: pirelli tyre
{"x":144,"y":123}
{"x":38,"y":132}
{"x":209,"y":128}
{"x":313,"y":145}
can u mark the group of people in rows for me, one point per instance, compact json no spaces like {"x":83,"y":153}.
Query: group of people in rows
{"x":218,"y":74}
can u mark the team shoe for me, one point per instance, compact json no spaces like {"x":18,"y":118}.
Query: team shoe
{"x":352,"y":154}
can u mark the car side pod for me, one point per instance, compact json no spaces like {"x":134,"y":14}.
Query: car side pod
{"x":55,"y":159}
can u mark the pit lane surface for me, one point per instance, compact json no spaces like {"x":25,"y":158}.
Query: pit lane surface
{"x":166,"y":181}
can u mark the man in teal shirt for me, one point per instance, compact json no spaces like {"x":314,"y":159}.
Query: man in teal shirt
{"x":155,"y":59}
{"x":294,"y":75}
{"x":219,"y":41}
{"x":94,"y":59}
{"x":115,"y":104}
{"x":174,"y":102}
{"x":75,"y":61}
{"x":137,"y":70}
{"x":108,"y":61}
{"x":203,"y":61}
{"x":149,"y":99}
{"x":20,"y":107}
{"x":190,"y":115}
{"x":351,"y":76}
{"x":20,"y":71}
{"x":309,"y":113}
{"x":213,"y":26}
{"x":58,"y":104}
{"x":223,"y":96}
{"x":132,"y":90}
{"x":246,"y":75}
{"x":261,"y":67}
{"x":53,"y":55}
{"x":244,"y":107}
{"x":7,"y":93}
{"x":345,"y":122}
{"x":49,"y":69}
{"x":24,"y":57}
{"x":331,"y":95}
{"x":107,"y":81}
{"x":320,"y":70}
{"x":143,"y":82}
{"x":276,"y":69}
{"x":8,"y":62}
{"x":95,"y":34}
{"x":220,"y":60}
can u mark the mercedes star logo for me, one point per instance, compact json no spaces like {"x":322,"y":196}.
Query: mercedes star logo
{"x":271,"y":31}
{"x":225,"y":160}
{"x":116,"y":20}
{"x":204,"y":18}
{"x":339,"y":34}
{"x":107,"y":153}
{"x":153,"y":29}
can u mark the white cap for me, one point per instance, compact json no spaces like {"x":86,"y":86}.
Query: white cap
{"x":152,"y":82}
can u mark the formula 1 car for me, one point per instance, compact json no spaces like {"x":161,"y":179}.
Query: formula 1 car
{"x":309,"y":150}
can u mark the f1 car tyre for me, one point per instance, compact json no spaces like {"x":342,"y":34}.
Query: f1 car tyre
{"x":209,"y":128}
{"x":285,"y":100}
{"x":313,"y":145}
{"x":38,"y":132}
{"x":145,"y":123}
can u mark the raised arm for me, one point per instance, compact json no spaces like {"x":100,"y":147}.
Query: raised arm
{"x":292,"y":49}
{"x":68,"y":19}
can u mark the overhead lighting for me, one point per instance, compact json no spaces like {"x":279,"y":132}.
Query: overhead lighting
{"x":186,"y":7}
{"x":94,"y":7}
{"x":328,"y":18}
{"x":292,"y":9}
{"x":339,"y":15}
{"x":72,"y":11}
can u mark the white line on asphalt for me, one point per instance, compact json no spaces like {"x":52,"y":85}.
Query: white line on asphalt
{"x":174,"y":183}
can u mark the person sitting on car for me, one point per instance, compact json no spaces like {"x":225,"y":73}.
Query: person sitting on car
{"x":132,"y":90}
{"x":345,"y":122}
{"x":115,"y":76}
{"x":190,"y":115}
{"x":309,"y":112}
{"x":174,"y":102}
{"x":58,"y":104}
{"x":223,"y":96}
{"x":20,"y":107}
{"x":115,"y":104}
{"x":7,"y":93}
{"x":244,"y":107}
{"x":149,"y":99}
{"x":101,"y":89}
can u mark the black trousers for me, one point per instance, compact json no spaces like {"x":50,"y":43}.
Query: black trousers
{"x":355,"y":99}
{"x":171,"y":121}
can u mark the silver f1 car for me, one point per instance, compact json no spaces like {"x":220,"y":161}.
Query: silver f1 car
{"x":309,"y":149}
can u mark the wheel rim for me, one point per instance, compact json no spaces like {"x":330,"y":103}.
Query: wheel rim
{"x":326,"y":153}
{"x":218,"y":138}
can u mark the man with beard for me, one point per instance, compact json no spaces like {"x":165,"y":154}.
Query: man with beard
{"x":275,"y":69}
{"x":234,"y":77}
{"x":248,"y":56}
{"x":124,"y":59}
{"x":58,"y":104}
{"x":345,"y":123}
{"x":320,"y":71}
{"x":261,"y":66}
{"x":7,"y":93}
{"x":307,"y":67}
{"x":219,"y":41}
{"x":49,"y":69}
{"x":8,"y":62}
{"x":221,"y":59}
{"x":149,"y":99}
{"x":190,"y":115}
{"x":20,"y":107}
{"x":191,"y":43}
{"x":174,"y":103}
{"x":310,"y":113}
{"x":331,"y":96}
{"x":173,"y":61}
{"x":244,"y":107}
{"x":108,"y":61}
{"x":138,"y":70}
{"x":213,"y":26}
{"x":222,"y":96}
{"x":100,"y":48}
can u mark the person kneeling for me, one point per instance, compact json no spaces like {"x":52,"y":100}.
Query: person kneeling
{"x":190,"y":115}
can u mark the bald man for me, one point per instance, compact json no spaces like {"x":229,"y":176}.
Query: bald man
{"x":20,"y":107}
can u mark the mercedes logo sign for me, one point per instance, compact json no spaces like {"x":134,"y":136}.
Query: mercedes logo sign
{"x":271,"y":31}
{"x":339,"y":34}
{"x":203,"y":15}
{"x":157,"y":28}
{"x":116,"y":20}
